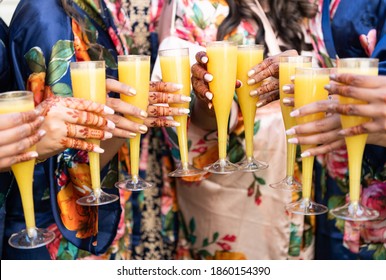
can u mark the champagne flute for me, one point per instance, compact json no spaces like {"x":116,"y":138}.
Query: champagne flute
{"x":222,"y":64}
{"x":247,"y":57}
{"x":287,"y":65}
{"x":354,"y":210}
{"x":31,"y":237}
{"x":134,"y":70}
{"x":309,"y":88}
{"x":175,"y":68}
{"x":88,"y":80}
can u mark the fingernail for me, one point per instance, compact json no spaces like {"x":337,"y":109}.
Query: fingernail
{"x":305,"y":154}
{"x":333,"y":77}
{"x":108,"y":110}
{"x":98,"y":150}
{"x":295,"y":113}
{"x":287,"y":100}
{"x":204,"y":59}
{"x":209,"y":95}
{"x":259,"y":104}
{"x":42,"y":132}
{"x":33,"y":154}
{"x":327,"y":87}
{"x":253,"y":93}
{"x":178,"y":86}
{"x":108,"y":135}
{"x":342,"y":133}
{"x":41,"y":118}
{"x":208,"y":77}
{"x":110,"y":124}
{"x":251,"y":72}
{"x":132,"y":91}
{"x":292,"y":78}
{"x":286,"y":88}
{"x":174,"y":123}
{"x":186,"y":98}
{"x":290,"y":131}
{"x":251,"y":82}
{"x":293,"y":140}
{"x":142,"y":128}
{"x":131,"y":135}
{"x":143,"y":114}
{"x":210,"y":106}
{"x":183,"y":111}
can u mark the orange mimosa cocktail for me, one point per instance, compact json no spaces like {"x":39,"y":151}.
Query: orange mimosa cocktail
{"x":222,"y":64}
{"x":32,"y":237}
{"x":354,"y":211}
{"x":175,"y":67}
{"x":247,"y":57}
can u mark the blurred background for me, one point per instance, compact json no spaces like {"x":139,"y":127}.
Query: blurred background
{"x":7,"y":7}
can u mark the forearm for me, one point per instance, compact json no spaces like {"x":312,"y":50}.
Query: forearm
{"x":378,"y":139}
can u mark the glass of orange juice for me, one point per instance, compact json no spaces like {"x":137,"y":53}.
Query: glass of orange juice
{"x":134,"y":70}
{"x":309,"y":88}
{"x":31,"y":237}
{"x":247,"y":57}
{"x":354,"y":210}
{"x":287,"y":65}
{"x":88,"y":79}
{"x":175,"y":68}
{"x":222,"y":64}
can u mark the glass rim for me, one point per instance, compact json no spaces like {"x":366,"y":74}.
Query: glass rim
{"x":221,"y":43}
{"x":132,"y":57}
{"x":313,"y":69}
{"x":173,"y":51}
{"x":251,"y":46}
{"x":357,"y":60}
{"x":89,"y":64}
{"x":16,"y":95}
{"x":296,"y":58}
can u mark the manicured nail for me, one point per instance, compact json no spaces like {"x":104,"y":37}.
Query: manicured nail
{"x":333,"y":77}
{"x":342,"y":133}
{"x":132,"y":91}
{"x":108,"y":110}
{"x":208,"y":77}
{"x":108,"y":135}
{"x":292,"y":78}
{"x":295,"y":113}
{"x":110,"y":124}
{"x":210,"y":105}
{"x":259,"y":104}
{"x":253,"y":93}
{"x":174,"y":123}
{"x":41,"y":118}
{"x":287,"y":100}
{"x":286,"y":88}
{"x":183,"y":111}
{"x":204,"y":59}
{"x":293,"y":140}
{"x":178,"y":86}
{"x":33,"y":154}
{"x":186,"y":98}
{"x":42,"y":132}
{"x":131,"y":135}
{"x":291,"y":131}
{"x":251,"y":72}
{"x":305,"y":154}
{"x":142,"y":128}
{"x":327,"y":87}
{"x":98,"y":150}
{"x":143,"y":114}
{"x":251,"y":82}
{"x":209,"y":95}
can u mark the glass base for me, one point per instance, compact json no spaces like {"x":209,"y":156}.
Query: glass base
{"x":133,"y":183}
{"x":95,"y":200}
{"x":252,"y":165}
{"x":36,"y":238}
{"x":187,"y":170}
{"x":222,"y":166}
{"x":306,"y":207}
{"x":355,"y":212}
{"x":287,"y":184}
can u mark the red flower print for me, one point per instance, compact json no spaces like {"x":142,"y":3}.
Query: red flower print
{"x":224,"y":246}
{"x":229,"y":238}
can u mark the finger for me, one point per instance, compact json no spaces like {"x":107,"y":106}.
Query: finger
{"x":15,"y":119}
{"x":162,"y":111}
{"x":288,"y":89}
{"x":84,"y":132}
{"x":324,"y":149}
{"x":170,"y":98}
{"x":8,"y":161}
{"x":199,"y":72}
{"x":268,"y":98}
{"x":87,"y":118}
{"x":287,"y":101}
{"x":268,"y":68}
{"x":326,"y":124}
{"x":201,"y":89}
{"x":328,"y":106}
{"x":201,"y":57}
{"x":266,"y":88}
{"x":317,"y":139}
{"x":164,"y":86}
{"x":22,"y":145}
{"x":85,"y":105}
{"x":125,"y":108}
{"x":20,"y":132}
{"x":119,"y":87}
{"x":364,"y":110}
{"x":160,"y":122}
{"x":362,"y":81}
{"x":369,"y":127}
{"x":75,"y":143}
{"x":125,"y":127}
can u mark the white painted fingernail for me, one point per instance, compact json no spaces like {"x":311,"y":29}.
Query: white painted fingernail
{"x":143,"y":114}
{"x":33,"y":154}
{"x":286,"y":88}
{"x":178,"y":86}
{"x":208,"y":77}
{"x":174,"y":123}
{"x":209,"y":95}
{"x":143,"y":128}
{"x":108,"y":135}
{"x":253,"y":93}
{"x":292,"y":78}
{"x":98,"y":150}
{"x":305,"y":154}
{"x":295,"y":113}
{"x":290,"y":131}
{"x":42,"y":132}
{"x":186,"y":98}
{"x":204,"y":59}
{"x":108,"y":110}
{"x":110,"y":124}
{"x":184,"y":111}
{"x":132,"y":91}
{"x":251,"y":82}
{"x":287,"y":100}
{"x":251,"y":72}
{"x":293,"y":141}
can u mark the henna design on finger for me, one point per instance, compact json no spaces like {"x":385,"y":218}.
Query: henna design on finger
{"x":355,"y":130}
{"x":78,"y":144}
{"x":77,"y":131}
{"x":158,"y":86}
{"x":200,"y":87}
{"x":87,"y":118}
{"x":159,"y":97}
{"x":268,"y":87}
{"x":160,"y":122}
{"x":268,"y":98}
{"x":200,"y":55}
{"x":159,"y":111}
